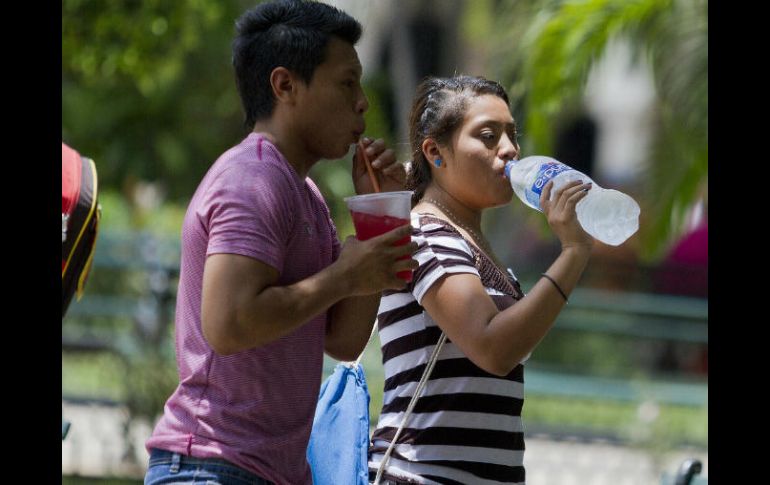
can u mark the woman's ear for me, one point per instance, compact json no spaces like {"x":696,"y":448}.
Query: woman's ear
{"x":430,"y":150}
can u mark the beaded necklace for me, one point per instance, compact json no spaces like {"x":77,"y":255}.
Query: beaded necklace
{"x":481,"y":243}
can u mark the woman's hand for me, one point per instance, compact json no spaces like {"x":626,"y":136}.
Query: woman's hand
{"x":390,"y":173}
{"x":561,"y":214}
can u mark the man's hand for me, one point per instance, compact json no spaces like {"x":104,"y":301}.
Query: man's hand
{"x":390,"y":173}
{"x":367,"y":267}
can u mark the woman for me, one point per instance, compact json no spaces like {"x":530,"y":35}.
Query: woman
{"x":466,"y":426}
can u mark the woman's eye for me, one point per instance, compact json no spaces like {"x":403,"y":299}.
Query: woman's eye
{"x":487,"y":135}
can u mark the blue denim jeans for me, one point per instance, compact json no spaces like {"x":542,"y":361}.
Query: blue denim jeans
{"x":173,"y":468}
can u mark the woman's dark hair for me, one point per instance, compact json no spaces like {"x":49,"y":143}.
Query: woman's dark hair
{"x":288,"y":33}
{"x":438,"y":108}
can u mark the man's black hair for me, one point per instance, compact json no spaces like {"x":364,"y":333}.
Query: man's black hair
{"x":288,"y":33}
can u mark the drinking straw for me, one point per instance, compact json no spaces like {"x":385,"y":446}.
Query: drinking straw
{"x":369,"y":167}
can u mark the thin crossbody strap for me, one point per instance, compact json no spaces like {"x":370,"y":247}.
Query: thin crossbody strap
{"x":408,"y":412}
{"x":358,"y":360}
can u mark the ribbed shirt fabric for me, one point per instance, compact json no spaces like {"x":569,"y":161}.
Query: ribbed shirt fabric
{"x":254,"y":408}
{"x":466,"y":427}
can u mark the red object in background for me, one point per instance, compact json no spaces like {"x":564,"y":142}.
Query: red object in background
{"x":684,"y":272}
{"x":693,"y":248}
{"x":685,"y":269}
{"x":80,"y":213}
{"x":368,"y":225}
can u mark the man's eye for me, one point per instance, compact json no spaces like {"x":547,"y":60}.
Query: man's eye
{"x":488,"y":135}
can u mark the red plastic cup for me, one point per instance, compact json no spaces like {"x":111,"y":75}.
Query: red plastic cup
{"x":375,"y":214}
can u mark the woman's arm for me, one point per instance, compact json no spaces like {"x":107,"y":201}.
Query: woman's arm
{"x":496,"y":340}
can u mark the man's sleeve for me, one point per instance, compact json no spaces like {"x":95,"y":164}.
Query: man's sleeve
{"x":249,"y":214}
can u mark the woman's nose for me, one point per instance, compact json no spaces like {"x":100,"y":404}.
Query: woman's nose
{"x":509,"y":149}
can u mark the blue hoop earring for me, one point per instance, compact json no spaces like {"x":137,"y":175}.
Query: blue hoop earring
{"x":437,"y":162}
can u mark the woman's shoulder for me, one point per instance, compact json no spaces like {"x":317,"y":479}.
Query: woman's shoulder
{"x":428,"y":224}
{"x":431,"y":231}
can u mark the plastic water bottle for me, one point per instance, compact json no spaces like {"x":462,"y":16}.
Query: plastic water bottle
{"x":607,"y":215}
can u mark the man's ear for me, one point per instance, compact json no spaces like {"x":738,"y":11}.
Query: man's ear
{"x":284,"y":85}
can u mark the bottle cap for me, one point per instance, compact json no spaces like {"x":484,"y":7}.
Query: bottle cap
{"x":508,"y":166}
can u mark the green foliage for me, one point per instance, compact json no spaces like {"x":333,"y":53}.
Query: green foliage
{"x":92,"y":376}
{"x":667,"y":426}
{"x":145,"y":43}
{"x":598,"y":354}
{"x":678,"y":177}
{"x":149,"y":380}
{"x":148,"y":90}
{"x":678,"y":173}
{"x":564,"y":44}
{"x":114,"y":204}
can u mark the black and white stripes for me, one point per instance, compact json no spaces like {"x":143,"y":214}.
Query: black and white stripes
{"x":466,"y":427}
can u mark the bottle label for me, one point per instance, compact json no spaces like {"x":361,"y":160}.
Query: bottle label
{"x":546,"y":172}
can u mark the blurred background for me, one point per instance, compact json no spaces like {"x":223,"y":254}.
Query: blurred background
{"x":616,"y":393}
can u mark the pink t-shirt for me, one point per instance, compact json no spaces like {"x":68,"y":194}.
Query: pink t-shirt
{"x":254,"y":408}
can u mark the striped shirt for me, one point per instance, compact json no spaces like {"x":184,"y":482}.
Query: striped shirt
{"x":466,"y":426}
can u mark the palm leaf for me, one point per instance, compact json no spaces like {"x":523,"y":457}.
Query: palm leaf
{"x":567,"y":46}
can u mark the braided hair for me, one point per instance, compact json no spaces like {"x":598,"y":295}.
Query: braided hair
{"x":437,"y":110}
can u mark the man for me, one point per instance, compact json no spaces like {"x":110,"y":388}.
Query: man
{"x":265,"y":287}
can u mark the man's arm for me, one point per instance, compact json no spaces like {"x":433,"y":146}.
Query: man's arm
{"x":242,"y":308}
{"x":350,"y":326}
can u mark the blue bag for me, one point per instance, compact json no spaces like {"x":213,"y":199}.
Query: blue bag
{"x":338,"y":451}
